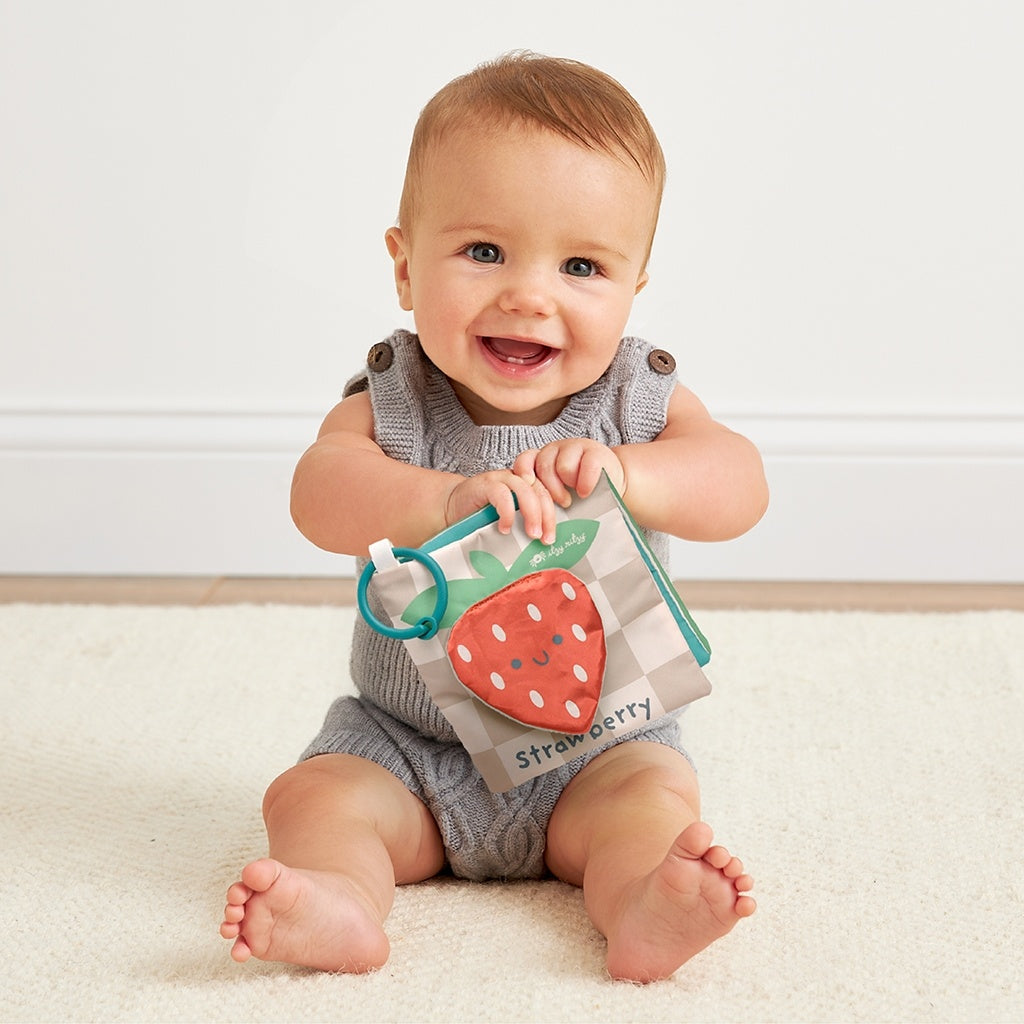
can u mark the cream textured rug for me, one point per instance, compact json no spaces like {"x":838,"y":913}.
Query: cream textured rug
{"x":868,"y":768}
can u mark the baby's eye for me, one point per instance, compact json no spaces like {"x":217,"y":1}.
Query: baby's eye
{"x":484,"y":252}
{"x":577,"y":266}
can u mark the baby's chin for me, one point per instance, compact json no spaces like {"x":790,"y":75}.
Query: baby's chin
{"x":507,"y":411}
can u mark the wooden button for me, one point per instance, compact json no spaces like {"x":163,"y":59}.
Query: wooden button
{"x":381,"y":356}
{"x":661,"y":362}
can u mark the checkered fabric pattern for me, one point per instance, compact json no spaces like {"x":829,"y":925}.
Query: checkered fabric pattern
{"x":649,"y":671}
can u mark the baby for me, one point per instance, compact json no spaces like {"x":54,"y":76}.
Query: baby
{"x":530,"y":202}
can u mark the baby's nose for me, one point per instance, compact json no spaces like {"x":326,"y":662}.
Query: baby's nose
{"x":528,"y":293}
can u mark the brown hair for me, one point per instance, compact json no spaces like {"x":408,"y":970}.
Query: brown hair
{"x":565,"y":96}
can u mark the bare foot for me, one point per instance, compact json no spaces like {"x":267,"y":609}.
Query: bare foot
{"x":693,"y":897}
{"x":313,"y":918}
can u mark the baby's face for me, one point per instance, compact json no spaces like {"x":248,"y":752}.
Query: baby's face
{"x":521,"y":265}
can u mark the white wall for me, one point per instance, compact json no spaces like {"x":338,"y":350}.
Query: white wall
{"x":192,"y":201}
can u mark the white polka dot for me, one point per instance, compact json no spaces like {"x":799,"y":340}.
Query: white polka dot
{"x":579,"y":632}
{"x":571,"y":707}
{"x":580,"y":673}
{"x":568,"y":591}
{"x":533,"y":611}
{"x":464,"y":653}
{"x":499,"y":633}
{"x":537,"y":699}
{"x":497,"y":681}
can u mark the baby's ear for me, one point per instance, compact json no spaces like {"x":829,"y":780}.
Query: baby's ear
{"x":641,"y":281}
{"x":395,"y":241}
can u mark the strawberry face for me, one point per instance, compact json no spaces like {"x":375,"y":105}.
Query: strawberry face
{"x":534,"y":650}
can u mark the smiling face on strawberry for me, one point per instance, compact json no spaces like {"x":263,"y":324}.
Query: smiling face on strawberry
{"x":534,"y":650}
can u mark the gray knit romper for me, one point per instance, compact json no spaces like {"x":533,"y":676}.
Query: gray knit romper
{"x":418,"y":419}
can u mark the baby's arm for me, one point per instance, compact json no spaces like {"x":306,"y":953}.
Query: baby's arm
{"x":346,"y":493}
{"x":697,"y":479}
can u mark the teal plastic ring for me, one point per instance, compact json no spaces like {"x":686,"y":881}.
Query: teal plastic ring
{"x":429,"y":624}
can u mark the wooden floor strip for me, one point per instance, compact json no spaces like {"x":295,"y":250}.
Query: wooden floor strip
{"x":711,"y":594}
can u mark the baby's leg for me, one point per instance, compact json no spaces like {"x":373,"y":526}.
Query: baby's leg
{"x":627,"y":829}
{"x":343,"y":831}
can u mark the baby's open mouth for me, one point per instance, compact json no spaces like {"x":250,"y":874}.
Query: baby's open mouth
{"x":520,"y":353}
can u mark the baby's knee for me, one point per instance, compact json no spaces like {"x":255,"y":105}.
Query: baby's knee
{"x":330,"y":780}
{"x":289,"y":786}
{"x":643,"y":771}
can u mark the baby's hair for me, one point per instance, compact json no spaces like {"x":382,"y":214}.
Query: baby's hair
{"x":565,"y":96}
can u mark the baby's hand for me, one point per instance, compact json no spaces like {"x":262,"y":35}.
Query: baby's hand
{"x":574,"y":464}
{"x":497,"y":488}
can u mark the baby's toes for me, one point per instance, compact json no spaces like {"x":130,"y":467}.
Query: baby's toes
{"x":733,"y":869}
{"x":719,"y":857}
{"x":239,"y":894}
{"x":745,"y":906}
{"x":233,"y":913}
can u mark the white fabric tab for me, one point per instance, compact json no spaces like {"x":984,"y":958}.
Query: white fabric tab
{"x":382,"y":556}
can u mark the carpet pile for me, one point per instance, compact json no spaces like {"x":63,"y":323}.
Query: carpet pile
{"x":868,"y":768}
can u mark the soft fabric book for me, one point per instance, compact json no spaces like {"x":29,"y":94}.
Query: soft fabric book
{"x":536,"y":652}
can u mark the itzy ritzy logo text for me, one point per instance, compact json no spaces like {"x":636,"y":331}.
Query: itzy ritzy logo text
{"x":558,"y":549}
{"x":629,"y":716}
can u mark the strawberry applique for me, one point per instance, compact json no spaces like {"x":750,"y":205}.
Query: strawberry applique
{"x":534,"y":650}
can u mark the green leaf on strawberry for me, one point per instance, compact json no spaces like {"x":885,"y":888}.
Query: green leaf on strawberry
{"x":572,"y":541}
{"x":488,"y":566}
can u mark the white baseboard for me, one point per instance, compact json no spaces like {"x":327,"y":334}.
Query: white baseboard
{"x":931,"y":498}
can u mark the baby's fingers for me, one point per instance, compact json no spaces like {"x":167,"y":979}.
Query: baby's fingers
{"x":505,"y":505}
{"x":537,"y":510}
{"x":555,"y":467}
{"x":525,"y":463}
